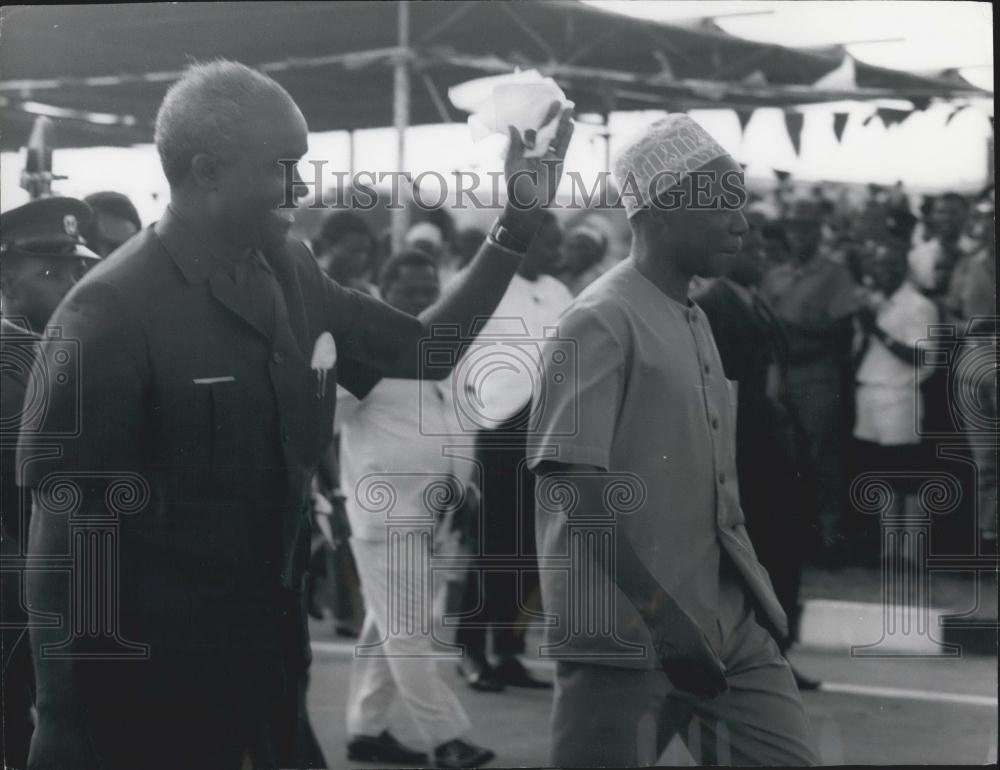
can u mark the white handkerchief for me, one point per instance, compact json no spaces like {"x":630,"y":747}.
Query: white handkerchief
{"x":323,"y":358}
{"x":520,"y":99}
{"x":324,"y":352}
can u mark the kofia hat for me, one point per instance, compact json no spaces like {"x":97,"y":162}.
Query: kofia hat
{"x":660,"y":158}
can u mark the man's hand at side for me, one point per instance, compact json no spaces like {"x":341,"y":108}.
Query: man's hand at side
{"x":684,"y":652}
{"x":681,"y":647}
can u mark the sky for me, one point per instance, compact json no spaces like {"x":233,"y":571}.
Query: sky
{"x":922,"y":152}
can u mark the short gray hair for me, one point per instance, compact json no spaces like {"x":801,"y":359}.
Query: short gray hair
{"x":205,"y":111}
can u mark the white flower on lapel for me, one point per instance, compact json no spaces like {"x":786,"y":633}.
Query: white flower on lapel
{"x":323,"y":359}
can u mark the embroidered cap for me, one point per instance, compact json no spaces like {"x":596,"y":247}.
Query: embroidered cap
{"x":660,"y":158}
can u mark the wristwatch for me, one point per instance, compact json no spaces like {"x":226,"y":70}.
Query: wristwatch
{"x":503,"y":237}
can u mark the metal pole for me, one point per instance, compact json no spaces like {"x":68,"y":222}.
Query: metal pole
{"x":401,"y":118}
{"x":607,"y":141}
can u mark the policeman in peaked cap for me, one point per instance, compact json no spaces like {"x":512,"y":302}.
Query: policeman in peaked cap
{"x":41,"y":257}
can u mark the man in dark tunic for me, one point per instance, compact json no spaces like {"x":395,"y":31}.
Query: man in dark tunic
{"x":199,"y":399}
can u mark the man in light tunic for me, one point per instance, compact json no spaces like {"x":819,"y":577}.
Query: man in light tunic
{"x":635,"y":458}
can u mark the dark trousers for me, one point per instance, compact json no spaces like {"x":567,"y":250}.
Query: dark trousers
{"x":216,"y":707}
{"x":333,"y":582}
{"x":777,"y":530}
{"x":814,"y":393}
{"x":501,"y":590}
{"x":777,"y":494}
{"x":17,"y":685}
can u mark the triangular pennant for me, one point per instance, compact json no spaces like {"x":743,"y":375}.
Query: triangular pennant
{"x":891,"y":117}
{"x":843,"y":78}
{"x":780,"y":175}
{"x":872,"y":117}
{"x":793,"y":123}
{"x":954,"y":112}
{"x":839,"y":124}
{"x":744,"y":118}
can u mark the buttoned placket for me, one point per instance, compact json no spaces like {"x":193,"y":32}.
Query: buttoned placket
{"x":713,"y":422}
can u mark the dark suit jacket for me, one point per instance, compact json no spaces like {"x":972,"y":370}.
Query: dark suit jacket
{"x":770,"y":454}
{"x":190,"y":435}
{"x":17,"y":352}
{"x":748,"y":347}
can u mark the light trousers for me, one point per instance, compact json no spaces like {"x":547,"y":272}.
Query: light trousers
{"x":607,"y":716}
{"x":396,"y":655}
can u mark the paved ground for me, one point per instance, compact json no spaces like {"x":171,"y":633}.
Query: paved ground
{"x":870,"y":711}
{"x":959,"y":591}
{"x":883,"y":711}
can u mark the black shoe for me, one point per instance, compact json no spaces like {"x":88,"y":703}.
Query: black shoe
{"x":383,"y":748}
{"x":345,"y":630}
{"x":315,"y":611}
{"x":477,"y":671}
{"x":511,"y":672}
{"x":457,"y":753}
{"x":804,"y":683}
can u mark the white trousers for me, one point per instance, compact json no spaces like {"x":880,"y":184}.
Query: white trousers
{"x":395,"y":654}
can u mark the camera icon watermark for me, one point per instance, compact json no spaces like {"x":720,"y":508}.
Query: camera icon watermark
{"x":506,"y":366}
{"x":968,"y":356}
{"x":49,"y":369}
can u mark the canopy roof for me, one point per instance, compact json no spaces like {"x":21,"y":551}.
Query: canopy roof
{"x":101,"y":70}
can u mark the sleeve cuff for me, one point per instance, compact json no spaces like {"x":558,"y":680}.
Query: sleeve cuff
{"x":573,"y":455}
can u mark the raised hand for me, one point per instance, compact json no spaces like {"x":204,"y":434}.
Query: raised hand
{"x":532,"y":181}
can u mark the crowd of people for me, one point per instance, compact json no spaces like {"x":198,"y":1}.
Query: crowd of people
{"x":739,"y":368}
{"x":818,"y":266}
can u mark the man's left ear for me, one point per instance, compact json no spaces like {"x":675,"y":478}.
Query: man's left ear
{"x":205,"y":170}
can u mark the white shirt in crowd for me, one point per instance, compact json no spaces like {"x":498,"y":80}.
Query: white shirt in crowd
{"x":889,"y":407}
{"x":501,"y":371}
{"x":925,"y":255}
{"x":395,"y":436}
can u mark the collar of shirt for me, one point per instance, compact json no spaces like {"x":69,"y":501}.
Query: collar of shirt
{"x":682,"y":308}
{"x":223,"y":254}
{"x":903,"y":295}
